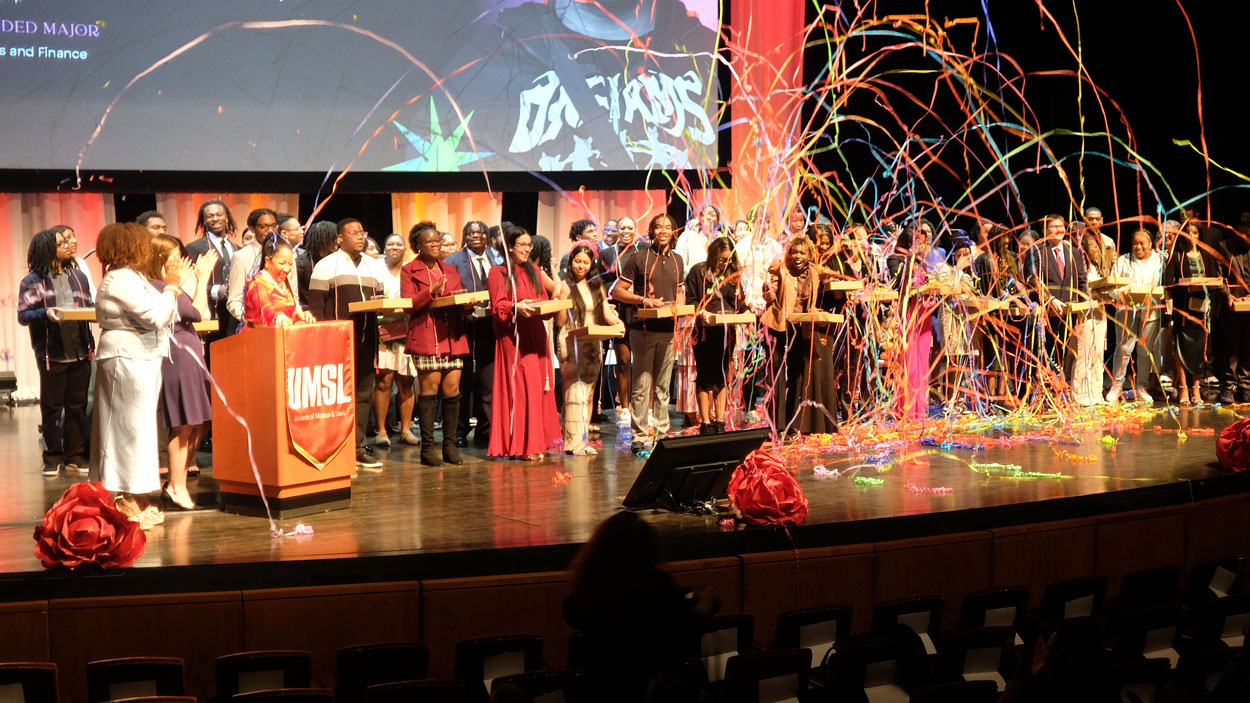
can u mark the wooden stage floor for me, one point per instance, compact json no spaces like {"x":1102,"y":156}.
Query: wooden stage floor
{"x":409,"y":521}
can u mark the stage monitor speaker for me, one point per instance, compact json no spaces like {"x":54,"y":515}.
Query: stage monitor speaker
{"x":8,"y":385}
{"x":684,"y":472}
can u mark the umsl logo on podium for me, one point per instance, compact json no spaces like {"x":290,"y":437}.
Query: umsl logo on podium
{"x":320,"y":389}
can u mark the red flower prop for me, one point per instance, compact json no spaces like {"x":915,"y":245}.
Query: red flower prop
{"x":1233,"y":446}
{"x":83,"y":527}
{"x":765,"y":492}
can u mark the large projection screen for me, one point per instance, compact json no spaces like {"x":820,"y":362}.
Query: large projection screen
{"x":380,"y":85}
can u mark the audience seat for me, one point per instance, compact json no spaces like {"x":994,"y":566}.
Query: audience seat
{"x":921,"y":615}
{"x":425,"y":691}
{"x":767,"y":677}
{"x":480,"y":661}
{"x":566,"y":685}
{"x":286,"y":695}
{"x":817,"y":630}
{"x":977,"y":655}
{"x":998,"y":607}
{"x":134,"y":677}
{"x":1074,"y":598}
{"x":361,"y":666}
{"x":956,"y":692}
{"x":1142,"y":589}
{"x":262,"y":671}
{"x":722,"y":637}
{"x":1151,"y":633}
{"x":28,"y":682}
{"x":876,"y":669}
{"x":1218,"y":578}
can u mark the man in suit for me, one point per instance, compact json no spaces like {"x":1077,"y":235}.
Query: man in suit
{"x":215,"y":225}
{"x":473,"y":262}
{"x":1057,"y":275}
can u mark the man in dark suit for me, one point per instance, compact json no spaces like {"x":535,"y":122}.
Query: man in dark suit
{"x":473,"y":262}
{"x":215,"y":225}
{"x":1057,"y":275}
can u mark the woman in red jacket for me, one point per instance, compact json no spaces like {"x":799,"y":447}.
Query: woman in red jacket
{"x":436,"y":340}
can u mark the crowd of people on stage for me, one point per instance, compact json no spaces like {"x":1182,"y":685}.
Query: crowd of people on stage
{"x":817,"y":322}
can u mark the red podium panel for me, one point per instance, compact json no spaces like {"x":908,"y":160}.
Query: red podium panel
{"x":252,"y":369}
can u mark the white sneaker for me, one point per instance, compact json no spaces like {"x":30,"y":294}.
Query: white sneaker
{"x":622,"y":417}
{"x":1143,"y":397}
{"x":1113,"y":396}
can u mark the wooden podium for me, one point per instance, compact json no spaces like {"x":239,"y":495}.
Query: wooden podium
{"x":253,"y":379}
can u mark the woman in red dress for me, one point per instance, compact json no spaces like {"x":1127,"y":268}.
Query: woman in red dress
{"x":268,"y":300}
{"x":523,"y":420}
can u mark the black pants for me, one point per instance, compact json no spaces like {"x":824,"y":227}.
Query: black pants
{"x":1237,"y":331}
{"x":477,"y":383}
{"x":63,"y":390}
{"x":1060,"y":346}
{"x":783,"y":380}
{"x":366,"y":380}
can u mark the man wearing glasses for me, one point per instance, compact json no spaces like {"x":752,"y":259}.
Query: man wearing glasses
{"x":473,"y":262}
{"x":262,"y":222}
{"x":340,"y":279}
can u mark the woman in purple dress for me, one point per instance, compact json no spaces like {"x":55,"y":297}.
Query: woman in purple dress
{"x":185,"y":398}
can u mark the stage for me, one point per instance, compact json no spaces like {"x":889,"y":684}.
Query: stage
{"x":498,"y":517}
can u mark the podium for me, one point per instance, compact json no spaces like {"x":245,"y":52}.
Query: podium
{"x":295,"y":388}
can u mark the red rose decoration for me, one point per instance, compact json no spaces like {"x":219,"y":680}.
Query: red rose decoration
{"x":765,"y":492}
{"x":83,"y":527}
{"x":1233,"y":446}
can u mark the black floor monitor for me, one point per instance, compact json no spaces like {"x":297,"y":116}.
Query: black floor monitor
{"x":683,"y":472}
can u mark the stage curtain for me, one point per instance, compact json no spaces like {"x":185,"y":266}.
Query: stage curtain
{"x":181,"y":209}
{"x":22,"y":215}
{"x":558,"y":210}
{"x":447,"y":210}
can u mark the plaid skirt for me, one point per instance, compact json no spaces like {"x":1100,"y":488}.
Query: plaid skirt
{"x":436,"y":363}
{"x":392,"y":357}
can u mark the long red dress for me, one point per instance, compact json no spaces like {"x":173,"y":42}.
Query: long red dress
{"x":523,"y":418}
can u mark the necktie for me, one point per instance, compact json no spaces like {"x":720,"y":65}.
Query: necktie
{"x":1059,"y":261}
{"x":480,"y":267}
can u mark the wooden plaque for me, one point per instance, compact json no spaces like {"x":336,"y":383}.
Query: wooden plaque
{"x":726,"y":318}
{"x":381,"y":305}
{"x":206,"y":326}
{"x":937,"y":289}
{"x":1108,"y":282}
{"x":841,"y":284}
{"x":77,"y":314}
{"x":549,"y":307}
{"x":882,"y":295}
{"x":462,"y":298}
{"x":1143,"y":294}
{"x":1204,"y":282}
{"x":818,"y":317}
{"x":986,"y":304}
{"x":596,"y":333}
{"x":664,"y":312}
{"x":1240,"y":304}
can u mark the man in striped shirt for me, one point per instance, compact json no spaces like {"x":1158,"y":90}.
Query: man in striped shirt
{"x":342,"y":278}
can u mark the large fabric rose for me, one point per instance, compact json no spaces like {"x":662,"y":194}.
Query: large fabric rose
{"x":83,"y":527}
{"x":1232,"y":447}
{"x":765,"y":492}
